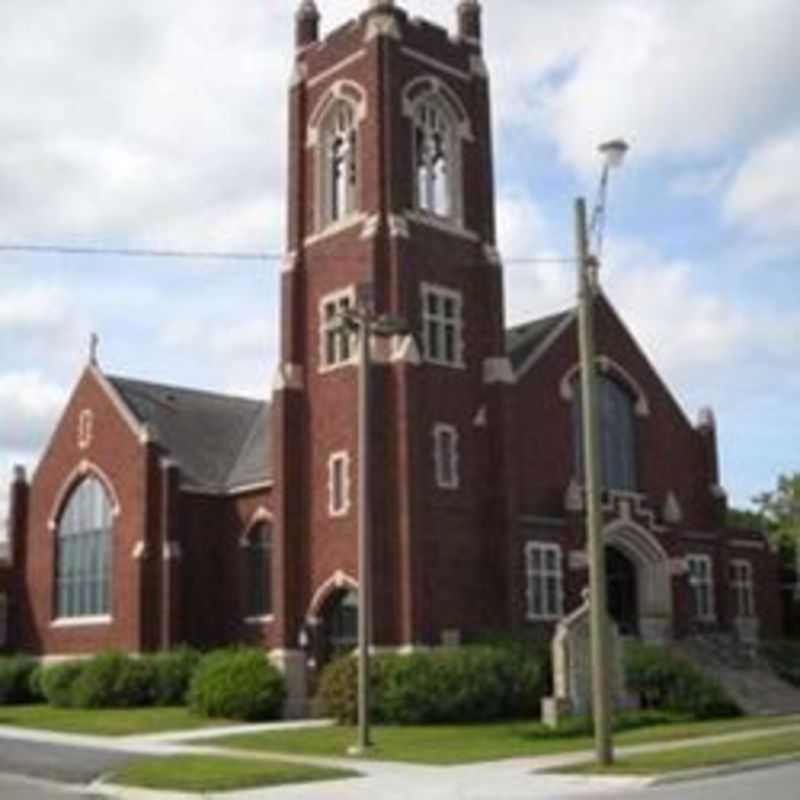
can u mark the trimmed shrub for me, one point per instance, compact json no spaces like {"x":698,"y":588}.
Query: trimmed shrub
{"x":114,"y":680}
{"x":668,"y":682}
{"x":35,"y":688}
{"x":470,"y":684}
{"x":172,"y":675}
{"x":58,"y":682}
{"x":15,"y":675}
{"x":237,"y":684}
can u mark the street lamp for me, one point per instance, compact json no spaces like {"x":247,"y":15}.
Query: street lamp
{"x":363,"y":321}
{"x":588,"y":282}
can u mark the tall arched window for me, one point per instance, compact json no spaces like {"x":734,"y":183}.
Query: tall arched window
{"x":339,"y":167}
{"x":617,"y":434}
{"x":83,"y":553}
{"x":258,"y":571}
{"x":434,"y":163}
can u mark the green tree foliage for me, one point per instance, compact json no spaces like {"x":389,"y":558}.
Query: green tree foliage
{"x":780,"y":510}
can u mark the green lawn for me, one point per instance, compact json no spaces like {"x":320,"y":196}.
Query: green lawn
{"x":104,"y":722}
{"x":463,"y":744}
{"x":696,"y":757}
{"x":210,"y":774}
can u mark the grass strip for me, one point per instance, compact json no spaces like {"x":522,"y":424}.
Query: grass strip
{"x":218,"y":774}
{"x":464,"y":744}
{"x":691,"y":758}
{"x":105,"y":722}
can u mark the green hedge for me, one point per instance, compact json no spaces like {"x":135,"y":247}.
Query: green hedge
{"x":58,"y":682}
{"x":783,"y":656}
{"x":665,"y":681}
{"x":237,"y":684}
{"x":15,"y":680}
{"x":478,"y":683}
{"x":172,"y":675}
{"x":115,"y":680}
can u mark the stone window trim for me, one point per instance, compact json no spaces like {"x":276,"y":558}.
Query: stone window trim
{"x":339,"y":484}
{"x":701,"y":583}
{"x":442,"y":331}
{"x":85,"y":429}
{"x":741,"y":584}
{"x":337,"y":117}
{"x":76,"y":476}
{"x":336,"y":348}
{"x":439,"y":119}
{"x":607,"y":366}
{"x":544,"y":570}
{"x":446,"y":456}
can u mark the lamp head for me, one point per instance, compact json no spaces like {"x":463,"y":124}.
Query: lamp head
{"x":614,"y":151}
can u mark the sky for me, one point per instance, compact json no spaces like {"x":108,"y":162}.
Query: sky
{"x":162,"y":124}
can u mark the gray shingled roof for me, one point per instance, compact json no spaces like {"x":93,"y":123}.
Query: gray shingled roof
{"x":221,"y":442}
{"x":522,"y":340}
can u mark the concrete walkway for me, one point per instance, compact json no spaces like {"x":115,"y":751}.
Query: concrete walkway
{"x":513,"y":779}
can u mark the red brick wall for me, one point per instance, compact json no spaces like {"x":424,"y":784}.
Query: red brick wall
{"x":431,"y":548}
{"x":115,"y":449}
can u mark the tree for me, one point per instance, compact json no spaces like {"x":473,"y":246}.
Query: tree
{"x":780,"y":510}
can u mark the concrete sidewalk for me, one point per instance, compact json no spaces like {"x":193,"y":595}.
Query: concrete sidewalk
{"x":513,"y":779}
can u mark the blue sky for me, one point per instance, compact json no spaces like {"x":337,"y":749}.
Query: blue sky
{"x":147,"y":123}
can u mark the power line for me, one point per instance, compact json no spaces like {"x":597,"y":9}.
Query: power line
{"x":197,"y":255}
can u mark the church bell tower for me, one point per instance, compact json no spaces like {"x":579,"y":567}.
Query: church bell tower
{"x":391,"y":187}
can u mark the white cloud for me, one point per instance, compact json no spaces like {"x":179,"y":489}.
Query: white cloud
{"x":29,"y":407}
{"x":673,"y":78}
{"x":765,"y":193}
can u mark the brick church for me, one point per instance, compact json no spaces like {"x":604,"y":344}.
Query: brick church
{"x":162,"y":515}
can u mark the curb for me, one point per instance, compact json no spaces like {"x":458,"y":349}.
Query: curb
{"x":752,"y":765}
{"x":131,"y":793}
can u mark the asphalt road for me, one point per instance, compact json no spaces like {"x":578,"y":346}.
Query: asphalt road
{"x":774,"y":783}
{"x":57,"y":763}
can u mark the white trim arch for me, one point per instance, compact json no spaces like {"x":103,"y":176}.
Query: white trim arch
{"x":79,"y":473}
{"x":653,"y":575}
{"x":337,"y":582}
{"x":261,"y":514}
{"x":616,"y":372}
{"x":340,"y":91}
{"x":426,"y":87}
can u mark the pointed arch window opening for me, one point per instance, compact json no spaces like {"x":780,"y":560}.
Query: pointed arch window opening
{"x":617,"y":427}
{"x":84,"y":553}
{"x":434,"y":160}
{"x":340,"y":164}
{"x":258,"y":572}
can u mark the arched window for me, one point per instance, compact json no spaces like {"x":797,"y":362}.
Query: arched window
{"x":258,"y":571}
{"x":617,"y":434}
{"x":83,"y":553}
{"x":339,"y":167}
{"x":434,"y":159}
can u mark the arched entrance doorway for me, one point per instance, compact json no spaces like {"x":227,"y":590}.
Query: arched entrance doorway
{"x":646,"y":575}
{"x":622,"y":591}
{"x":338,"y":625}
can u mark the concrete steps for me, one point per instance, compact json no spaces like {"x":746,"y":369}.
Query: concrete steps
{"x":746,"y":676}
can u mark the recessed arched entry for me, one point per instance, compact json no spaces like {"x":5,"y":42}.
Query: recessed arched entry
{"x":332,"y":618}
{"x":644,"y":554}
{"x":622,"y":591}
{"x":338,"y":627}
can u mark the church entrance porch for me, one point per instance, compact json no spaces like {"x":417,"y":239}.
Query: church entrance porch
{"x":639,"y":582}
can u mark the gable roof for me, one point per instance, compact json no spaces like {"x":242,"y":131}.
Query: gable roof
{"x":523,"y":340}
{"x":220,"y":441}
